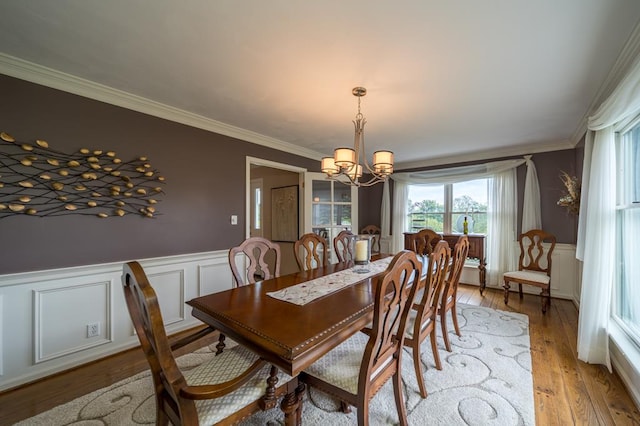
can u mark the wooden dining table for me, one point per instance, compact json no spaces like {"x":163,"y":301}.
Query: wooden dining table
{"x":289,"y":336}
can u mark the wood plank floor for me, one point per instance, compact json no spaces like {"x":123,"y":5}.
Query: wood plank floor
{"x":566,"y":391}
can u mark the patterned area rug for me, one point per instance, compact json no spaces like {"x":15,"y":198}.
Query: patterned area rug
{"x":485,"y":380}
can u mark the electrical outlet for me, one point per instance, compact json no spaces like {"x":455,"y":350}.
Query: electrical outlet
{"x":93,"y":329}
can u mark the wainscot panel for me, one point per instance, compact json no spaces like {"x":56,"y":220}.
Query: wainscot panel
{"x":57,"y":319}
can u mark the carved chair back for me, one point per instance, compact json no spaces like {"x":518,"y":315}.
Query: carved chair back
{"x":260,"y":261}
{"x":342,"y":246}
{"x":311,"y":251}
{"x":534,"y":256}
{"x":375,"y":240}
{"x":424,"y":241}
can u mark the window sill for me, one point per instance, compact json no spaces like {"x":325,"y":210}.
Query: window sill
{"x":625,"y":357}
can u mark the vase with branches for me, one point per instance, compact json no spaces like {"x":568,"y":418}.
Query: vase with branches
{"x":571,"y":197}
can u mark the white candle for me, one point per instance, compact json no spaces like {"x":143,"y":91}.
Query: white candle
{"x":362,"y":252}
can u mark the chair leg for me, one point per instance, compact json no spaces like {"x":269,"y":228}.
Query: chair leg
{"x":445,"y":334}
{"x":546,"y":299}
{"x":434,"y":348}
{"x":520,"y":290}
{"x":506,"y":292}
{"x":397,"y":392}
{"x":363,"y":411}
{"x":454,"y":317}
{"x":417,"y":363}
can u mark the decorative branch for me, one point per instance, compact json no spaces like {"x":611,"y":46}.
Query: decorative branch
{"x":571,"y":197}
{"x":39,"y":181}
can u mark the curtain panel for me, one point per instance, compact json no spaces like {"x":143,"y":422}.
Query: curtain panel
{"x":596,"y":224}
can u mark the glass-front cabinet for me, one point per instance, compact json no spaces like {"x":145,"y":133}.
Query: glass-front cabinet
{"x":330,"y":207}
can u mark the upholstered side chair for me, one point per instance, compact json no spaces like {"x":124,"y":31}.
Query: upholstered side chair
{"x":225,"y":390}
{"x":450,"y":290}
{"x":422,"y":316}
{"x":357,"y":368}
{"x":534,"y":265}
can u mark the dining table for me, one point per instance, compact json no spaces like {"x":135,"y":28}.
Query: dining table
{"x":293,"y":320}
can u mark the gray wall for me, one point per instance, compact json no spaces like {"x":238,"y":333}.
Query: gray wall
{"x":204,"y":171}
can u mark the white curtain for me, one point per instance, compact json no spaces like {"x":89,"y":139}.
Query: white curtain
{"x":385,"y":211}
{"x":501,"y":225}
{"x":400,"y":200}
{"x":596,"y":229}
{"x":531,"y":215}
{"x":501,"y":214}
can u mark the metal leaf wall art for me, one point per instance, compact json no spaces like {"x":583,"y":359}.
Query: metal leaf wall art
{"x":36,"y":180}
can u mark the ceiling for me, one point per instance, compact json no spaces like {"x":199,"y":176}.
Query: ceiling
{"x":446,"y":81}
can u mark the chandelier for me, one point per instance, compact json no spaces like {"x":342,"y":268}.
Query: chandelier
{"x":346,"y":161}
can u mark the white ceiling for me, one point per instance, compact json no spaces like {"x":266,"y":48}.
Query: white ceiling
{"x":445,"y":79}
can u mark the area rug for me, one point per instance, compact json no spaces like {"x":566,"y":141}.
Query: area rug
{"x":485,"y":380}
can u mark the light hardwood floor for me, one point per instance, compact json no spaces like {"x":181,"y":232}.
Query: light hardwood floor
{"x":566,"y":391}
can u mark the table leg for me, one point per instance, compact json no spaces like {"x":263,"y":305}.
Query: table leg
{"x":300,"y":394}
{"x":290,"y":403}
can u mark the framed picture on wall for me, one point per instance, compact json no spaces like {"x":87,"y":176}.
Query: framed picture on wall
{"x":284,"y":213}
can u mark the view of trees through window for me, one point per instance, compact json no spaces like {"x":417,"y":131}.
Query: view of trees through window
{"x":444,"y":207}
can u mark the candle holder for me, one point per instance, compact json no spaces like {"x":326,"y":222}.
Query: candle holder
{"x":361,"y":253}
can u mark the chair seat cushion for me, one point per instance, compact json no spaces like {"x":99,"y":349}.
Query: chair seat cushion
{"x":413,"y":314}
{"x":340,"y":367}
{"x":225,"y":366}
{"x":535,"y":276}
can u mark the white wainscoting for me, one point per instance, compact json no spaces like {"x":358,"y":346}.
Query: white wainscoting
{"x":44,"y":315}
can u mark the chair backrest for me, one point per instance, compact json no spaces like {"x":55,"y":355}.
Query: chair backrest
{"x":144,"y":310}
{"x":536,"y":248}
{"x":394,"y":294}
{"x":459,"y":256}
{"x":432,"y":284}
{"x":256,"y":265}
{"x":425,"y":240}
{"x":311,"y":251}
{"x":375,"y":240}
{"x":342,"y":246}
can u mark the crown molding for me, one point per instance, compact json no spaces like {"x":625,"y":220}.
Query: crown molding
{"x":34,"y":73}
{"x":485,"y":155}
{"x":629,"y":54}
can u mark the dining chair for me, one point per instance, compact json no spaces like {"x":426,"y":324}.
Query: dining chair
{"x":534,"y":265}
{"x":357,"y":368}
{"x":424,"y":241}
{"x":342,"y":246}
{"x":375,"y":240}
{"x":311,"y":251}
{"x":261,"y":259}
{"x":226,"y":389}
{"x":450,"y":290}
{"x":423,"y":314}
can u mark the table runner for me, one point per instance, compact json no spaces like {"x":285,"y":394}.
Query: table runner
{"x":308,"y":291}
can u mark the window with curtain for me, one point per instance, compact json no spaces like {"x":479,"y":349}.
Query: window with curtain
{"x":443,"y":207}
{"x":626,"y":300}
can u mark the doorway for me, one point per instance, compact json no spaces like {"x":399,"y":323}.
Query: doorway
{"x":263,"y":176}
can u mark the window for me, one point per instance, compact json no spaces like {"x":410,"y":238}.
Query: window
{"x":626,"y":299}
{"x":257,"y":201}
{"x":444,"y":207}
